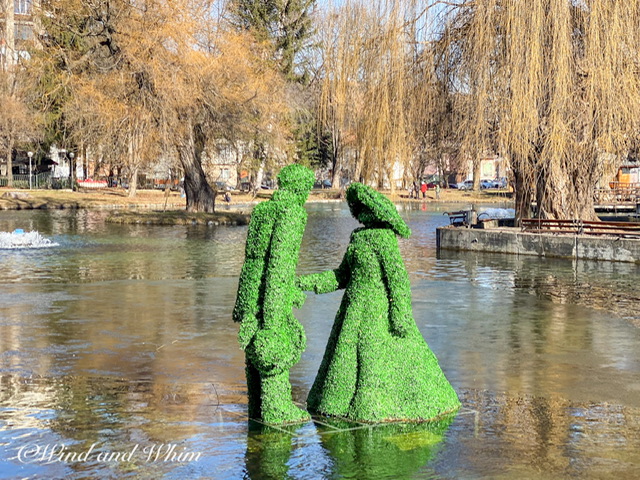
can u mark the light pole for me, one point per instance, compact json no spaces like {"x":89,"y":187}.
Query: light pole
{"x":71,"y":175}
{"x":30,"y":155}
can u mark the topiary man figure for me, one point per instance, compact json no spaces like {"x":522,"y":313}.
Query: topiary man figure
{"x":376,"y":366}
{"x":270,"y":335}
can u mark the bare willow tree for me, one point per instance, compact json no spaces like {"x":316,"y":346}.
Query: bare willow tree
{"x":375,"y":88}
{"x":432,"y":106}
{"x":554,"y":86}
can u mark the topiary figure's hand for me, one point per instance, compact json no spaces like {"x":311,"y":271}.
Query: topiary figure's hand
{"x":275,"y":350}
{"x":299,"y":297}
{"x":305,"y":283}
{"x":325,"y":282}
{"x":248,"y":329}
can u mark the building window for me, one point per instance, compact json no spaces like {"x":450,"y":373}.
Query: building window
{"x":224,"y":174}
{"x":22,"y":7}
{"x":24,"y":32}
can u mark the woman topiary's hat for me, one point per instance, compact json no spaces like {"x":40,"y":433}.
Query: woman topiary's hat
{"x":372,"y":208}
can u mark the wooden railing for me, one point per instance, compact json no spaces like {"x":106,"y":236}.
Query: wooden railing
{"x":580,"y":227}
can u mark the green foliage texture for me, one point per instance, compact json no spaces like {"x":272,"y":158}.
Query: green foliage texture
{"x":271,"y":336}
{"x":376,"y":366}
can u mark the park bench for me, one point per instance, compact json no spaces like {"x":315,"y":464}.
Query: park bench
{"x":580,"y":227}
{"x":458,"y":218}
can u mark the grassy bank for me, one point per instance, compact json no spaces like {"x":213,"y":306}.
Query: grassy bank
{"x":178,"y":217}
{"x":115,"y":198}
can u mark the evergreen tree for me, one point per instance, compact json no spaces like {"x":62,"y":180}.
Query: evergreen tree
{"x":286,"y":24}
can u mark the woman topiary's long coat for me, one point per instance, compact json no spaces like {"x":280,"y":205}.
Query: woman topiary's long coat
{"x":376,"y":366}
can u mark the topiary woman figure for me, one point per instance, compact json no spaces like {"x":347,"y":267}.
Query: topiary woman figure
{"x":376,"y":366}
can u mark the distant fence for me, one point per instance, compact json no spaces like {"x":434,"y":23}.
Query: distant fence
{"x":618,"y":193}
{"x":38,"y":180}
{"x":45,"y":180}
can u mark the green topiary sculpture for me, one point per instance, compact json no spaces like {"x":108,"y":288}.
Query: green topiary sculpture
{"x":376,"y":366}
{"x":271,"y":336}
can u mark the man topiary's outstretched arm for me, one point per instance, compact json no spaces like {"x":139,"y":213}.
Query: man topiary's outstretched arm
{"x":328,"y":281}
{"x":398,"y":285}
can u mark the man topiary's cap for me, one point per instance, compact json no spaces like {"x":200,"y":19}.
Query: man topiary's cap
{"x":296,"y":178}
{"x":361,"y":197}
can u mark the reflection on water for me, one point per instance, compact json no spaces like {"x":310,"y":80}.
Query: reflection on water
{"x":119,"y":344}
{"x":343,"y":450}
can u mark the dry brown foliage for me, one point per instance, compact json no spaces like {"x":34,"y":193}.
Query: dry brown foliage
{"x":163,"y":79}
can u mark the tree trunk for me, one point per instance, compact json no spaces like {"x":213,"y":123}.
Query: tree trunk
{"x":565,"y":198}
{"x":523,"y":195}
{"x":335,"y":161}
{"x":336,"y":173}
{"x":134,"y":163}
{"x":392,"y":181}
{"x":357,"y":171}
{"x":565,"y":192}
{"x":476,"y":174}
{"x":259,"y":176}
{"x":200,"y":196}
{"x":10,"y":163}
{"x":133,"y":181}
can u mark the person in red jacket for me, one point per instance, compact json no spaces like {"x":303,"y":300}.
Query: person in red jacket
{"x":423,"y":189}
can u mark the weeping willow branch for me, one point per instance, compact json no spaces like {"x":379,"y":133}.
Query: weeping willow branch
{"x":553,"y":85}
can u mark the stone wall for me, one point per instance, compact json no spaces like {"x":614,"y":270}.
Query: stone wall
{"x":513,"y":241}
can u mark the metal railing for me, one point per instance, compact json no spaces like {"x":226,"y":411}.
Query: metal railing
{"x":38,"y":180}
{"x":623,"y":193}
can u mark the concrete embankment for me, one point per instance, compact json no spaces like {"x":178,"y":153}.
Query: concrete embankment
{"x":514,"y":241}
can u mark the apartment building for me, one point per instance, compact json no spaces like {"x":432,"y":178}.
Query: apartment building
{"x":16,"y":29}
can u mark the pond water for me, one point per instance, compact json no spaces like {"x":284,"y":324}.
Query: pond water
{"x":118,"y":359}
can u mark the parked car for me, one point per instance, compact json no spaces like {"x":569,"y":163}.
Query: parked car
{"x":487,"y":184}
{"x":466,"y":185}
{"x":322,"y":184}
{"x":223,"y":186}
{"x":500,"y":183}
